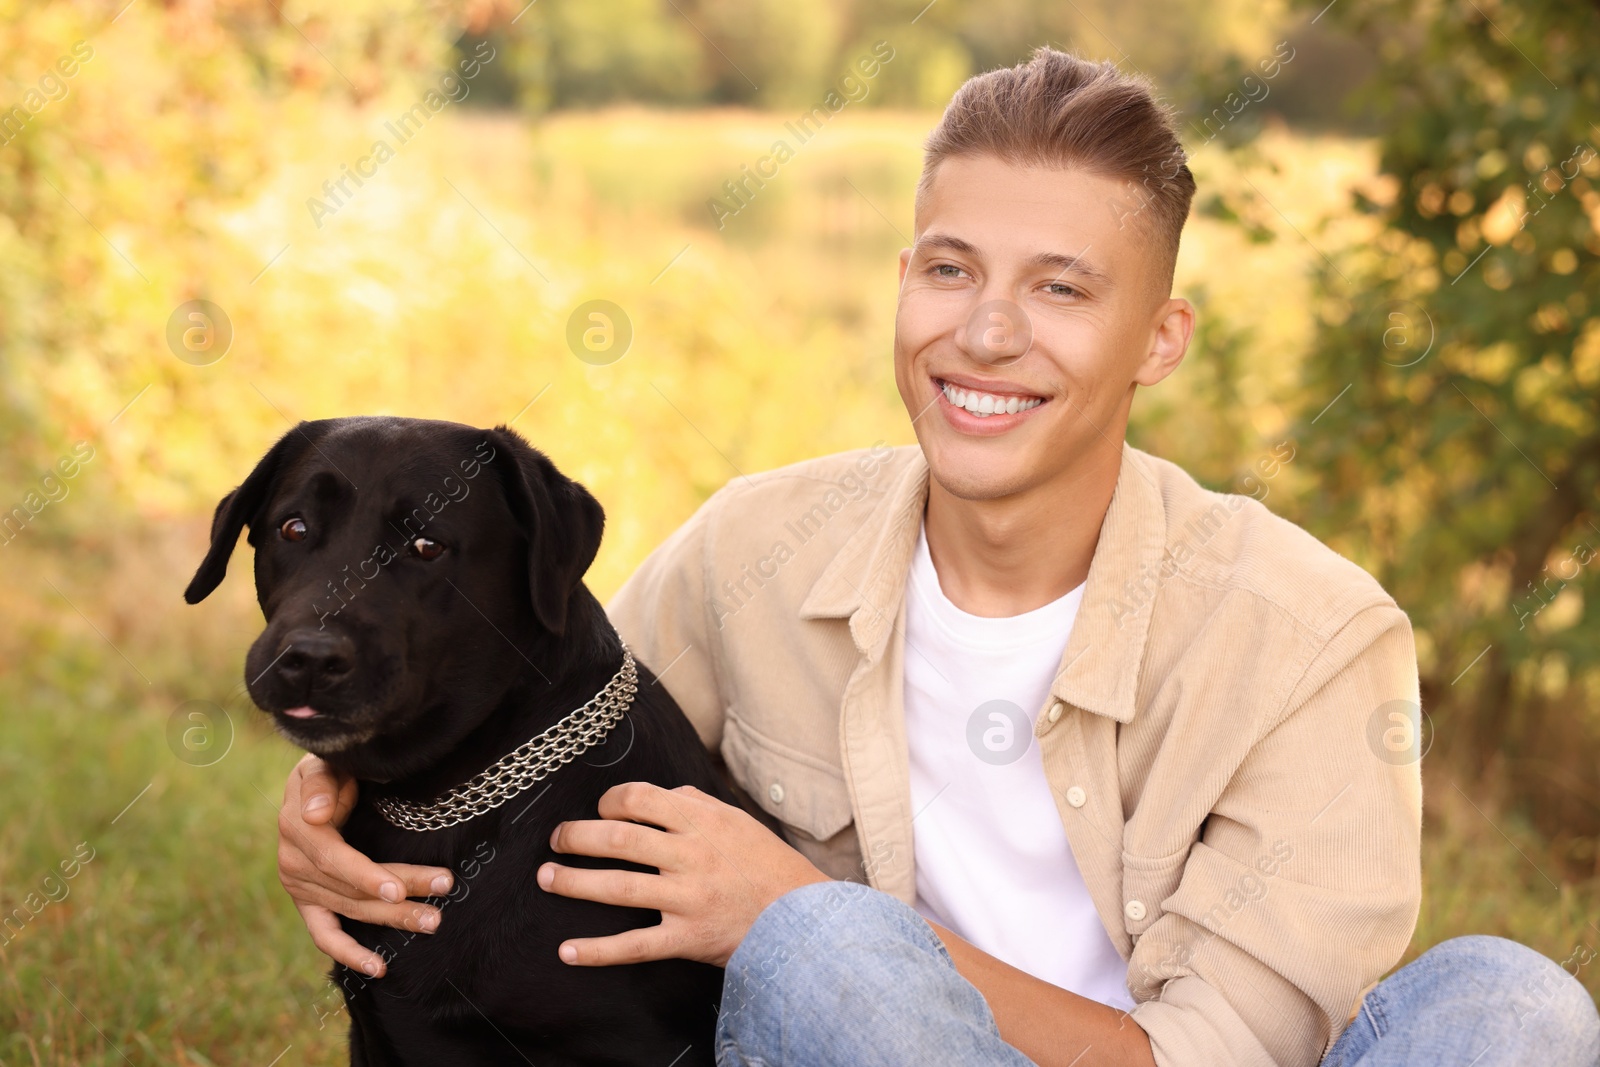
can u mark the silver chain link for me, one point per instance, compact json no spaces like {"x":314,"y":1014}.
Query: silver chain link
{"x":575,"y":734}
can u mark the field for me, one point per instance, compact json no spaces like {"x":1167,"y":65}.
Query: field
{"x":442,"y":288}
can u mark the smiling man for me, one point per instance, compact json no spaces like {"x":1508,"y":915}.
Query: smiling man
{"x":1075,"y":758}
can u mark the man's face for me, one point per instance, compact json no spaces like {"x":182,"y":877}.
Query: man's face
{"x":1025,"y":299}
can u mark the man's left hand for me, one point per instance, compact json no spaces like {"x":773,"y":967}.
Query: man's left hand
{"x":718,"y":867}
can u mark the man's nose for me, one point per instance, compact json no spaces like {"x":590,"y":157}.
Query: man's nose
{"x":997,"y":333}
{"x":315,"y":658}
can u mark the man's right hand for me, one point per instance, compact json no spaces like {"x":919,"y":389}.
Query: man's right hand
{"x":327,"y":878}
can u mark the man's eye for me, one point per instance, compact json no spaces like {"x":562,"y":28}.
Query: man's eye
{"x":947,"y":270}
{"x":1062,"y":289}
{"x":423,"y":548}
{"x":293,"y":530}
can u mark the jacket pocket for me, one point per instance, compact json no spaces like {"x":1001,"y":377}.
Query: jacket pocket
{"x":804,"y":793}
{"x":1147,"y":882}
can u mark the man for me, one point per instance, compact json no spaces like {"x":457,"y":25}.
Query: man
{"x":1082,"y":763}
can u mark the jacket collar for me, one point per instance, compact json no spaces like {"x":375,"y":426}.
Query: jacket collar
{"x":865,"y":582}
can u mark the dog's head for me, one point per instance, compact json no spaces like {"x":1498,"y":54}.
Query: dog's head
{"x":402,"y":565}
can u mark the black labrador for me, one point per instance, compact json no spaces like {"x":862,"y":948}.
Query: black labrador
{"x":429,"y":632}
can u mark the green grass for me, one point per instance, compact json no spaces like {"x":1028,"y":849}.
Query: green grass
{"x":174,"y":943}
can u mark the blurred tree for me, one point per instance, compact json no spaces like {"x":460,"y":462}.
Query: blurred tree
{"x":118,"y":165}
{"x":1460,"y":354}
{"x":567,"y":53}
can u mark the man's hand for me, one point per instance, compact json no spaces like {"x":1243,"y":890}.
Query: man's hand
{"x":327,"y":878}
{"x":719,"y":868}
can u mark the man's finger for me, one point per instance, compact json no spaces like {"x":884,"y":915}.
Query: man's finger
{"x":422,"y":881}
{"x":333,"y":942}
{"x":337,"y":866}
{"x":325,"y":795}
{"x":628,"y":889}
{"x":618,"y":840}
{"x":644,"y":802}
{"x":631,"y":946}
{"x":410,"y":915}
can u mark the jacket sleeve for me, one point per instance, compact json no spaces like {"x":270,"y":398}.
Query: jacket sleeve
{"x":1304,"y":886}
{"x":663,"y":613}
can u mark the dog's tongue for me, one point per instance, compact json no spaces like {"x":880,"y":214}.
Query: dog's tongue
{"x":301,"y":713}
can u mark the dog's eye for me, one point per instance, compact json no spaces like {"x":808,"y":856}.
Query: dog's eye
{"x":423,"y":548}
{"x":293,"y":530}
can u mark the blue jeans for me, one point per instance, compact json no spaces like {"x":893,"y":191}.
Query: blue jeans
{"x":840,"y":974}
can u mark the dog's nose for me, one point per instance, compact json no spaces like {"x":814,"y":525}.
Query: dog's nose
{"x":314,"y":658}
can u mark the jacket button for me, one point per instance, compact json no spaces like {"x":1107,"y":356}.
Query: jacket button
{"x":1055,"y":711}
{"x":1134,"y":910}
{"x":776,"y":792}
{"x":1076,"y":797}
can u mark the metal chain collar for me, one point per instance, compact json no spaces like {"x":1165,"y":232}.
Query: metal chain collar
{"x":519,"y":770}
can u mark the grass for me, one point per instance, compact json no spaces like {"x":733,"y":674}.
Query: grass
{"x":443,"y":291}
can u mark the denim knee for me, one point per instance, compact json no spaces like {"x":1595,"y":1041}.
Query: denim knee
{"x":1548,"y":1007}
{"x":803,"y":942}
{"x":837,"y":974}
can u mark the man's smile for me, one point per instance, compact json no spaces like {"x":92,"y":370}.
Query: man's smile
{"x":975,"y":407}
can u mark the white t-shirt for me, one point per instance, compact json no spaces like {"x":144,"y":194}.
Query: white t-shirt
{"x":993,"y":861}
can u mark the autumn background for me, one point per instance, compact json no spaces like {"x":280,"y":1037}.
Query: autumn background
{"x":1395,"y":251}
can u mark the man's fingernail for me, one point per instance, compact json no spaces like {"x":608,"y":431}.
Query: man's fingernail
{"x":371,"y":966}
{"x":391,"y":892}
{"x":555,"y":837}
{"x":428,"y":922}
{"x":569,"y":954}
{"x":440,"y":885}
{"x":316,"y":802}
{"x":547,"y":874}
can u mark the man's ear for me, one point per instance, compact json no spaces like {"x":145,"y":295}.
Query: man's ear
{"x":561,"y":519}
{"x":242,"y":508}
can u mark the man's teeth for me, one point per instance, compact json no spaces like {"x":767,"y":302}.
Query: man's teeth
{"x":982,"y":404}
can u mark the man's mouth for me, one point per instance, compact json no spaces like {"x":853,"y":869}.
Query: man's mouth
{"x":985,"y":404}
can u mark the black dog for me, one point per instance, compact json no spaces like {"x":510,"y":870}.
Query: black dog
{"x":426,"y":617}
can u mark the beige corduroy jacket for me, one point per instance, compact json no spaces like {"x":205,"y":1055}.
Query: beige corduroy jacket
{"x":1226,"y":738}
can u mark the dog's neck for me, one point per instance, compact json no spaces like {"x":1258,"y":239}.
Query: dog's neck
{"x":561,"y":674}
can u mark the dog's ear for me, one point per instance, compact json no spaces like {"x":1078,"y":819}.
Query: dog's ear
{"x":561,"y":519}
{"x":242,"y":507}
